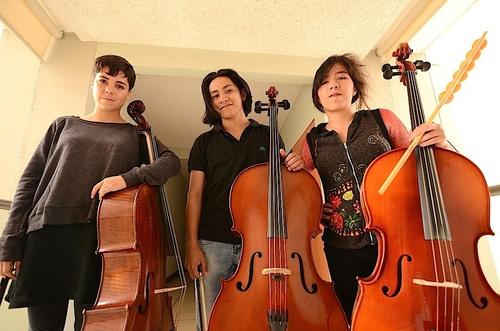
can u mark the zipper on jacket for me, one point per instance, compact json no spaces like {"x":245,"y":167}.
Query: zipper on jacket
{"x":372,"y":241}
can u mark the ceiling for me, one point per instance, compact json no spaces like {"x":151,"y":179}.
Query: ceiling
{"x":281,"y":30}
{"x":284,"y":27}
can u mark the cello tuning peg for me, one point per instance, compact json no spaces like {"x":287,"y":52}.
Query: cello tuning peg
{"x":284,"y":104}
{"x":389,"y":73}
{"x":260,"y":107}
{"x":387,"y":69}
{"x":422,"y":65}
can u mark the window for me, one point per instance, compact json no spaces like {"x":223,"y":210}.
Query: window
{"x":19,"y":68}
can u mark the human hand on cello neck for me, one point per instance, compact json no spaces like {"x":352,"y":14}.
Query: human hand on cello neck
{"x":9,"y":269}
{"x":433,"y":135}
{"x":293,"y":162}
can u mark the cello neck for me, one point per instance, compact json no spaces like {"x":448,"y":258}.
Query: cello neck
{"x":417,"y":114}
{"x":276,"y":219}
{"x":434,"y":218}
{"x":135,"y":110}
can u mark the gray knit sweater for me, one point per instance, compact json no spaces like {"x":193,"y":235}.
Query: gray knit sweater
{"x":73,"y":156}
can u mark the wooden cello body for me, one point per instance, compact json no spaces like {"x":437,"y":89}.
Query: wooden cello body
{"x":428,"y":276}
{"x":396,"y":296}
{"x":132,"y":248}
{"x":135,"y":238}
{"x":276,"y":286}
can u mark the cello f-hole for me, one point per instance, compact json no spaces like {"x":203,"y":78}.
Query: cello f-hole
{"x":385,"y":288}
{"x":239,"y":285}
{"x":314,"y":287}
{"x":483,"y":300}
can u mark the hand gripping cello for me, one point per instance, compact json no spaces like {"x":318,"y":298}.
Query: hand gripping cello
{"x":428,"y":276}
{"x":276,"y":286}
{"x":135,"y":237}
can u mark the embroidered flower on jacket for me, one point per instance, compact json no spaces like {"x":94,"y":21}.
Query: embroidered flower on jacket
{"x":348,"y":196}
{"x":335,"y":201}
{"x":352,"y":222}
{"x":337,"y":221}
{"x":356,"y":207}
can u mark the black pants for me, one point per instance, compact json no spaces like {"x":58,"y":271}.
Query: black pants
{"x":52,"y":316}
{"x":345,"y":265}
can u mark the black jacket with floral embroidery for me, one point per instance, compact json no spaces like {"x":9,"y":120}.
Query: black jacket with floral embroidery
{"x":341,"y":167}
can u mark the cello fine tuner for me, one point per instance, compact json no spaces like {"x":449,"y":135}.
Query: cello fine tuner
{"x":424,"y":282}
{"x":282,"y":271}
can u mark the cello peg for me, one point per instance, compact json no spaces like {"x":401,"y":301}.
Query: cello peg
{"x":284,"y":104}
{"x":422,"y":65}
{"x":387,"y":69}
{"x":260,"y":107}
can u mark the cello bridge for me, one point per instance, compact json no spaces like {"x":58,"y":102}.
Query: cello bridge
{"x":279,"y":271}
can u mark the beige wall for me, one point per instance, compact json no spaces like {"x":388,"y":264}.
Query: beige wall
{"x":301,"y":113}
{"x":60,"y":90}
{"x":19,"y":68}
{"x":176,"y":191}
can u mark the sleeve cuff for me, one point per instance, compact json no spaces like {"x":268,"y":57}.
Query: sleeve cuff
{"x":132,"y":177}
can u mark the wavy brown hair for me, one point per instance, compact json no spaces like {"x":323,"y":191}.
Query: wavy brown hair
{"x":354,"y":68}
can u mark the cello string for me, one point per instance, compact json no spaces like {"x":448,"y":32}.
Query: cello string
{"x":272,"y":216}
{"x":448,"y":244}
{"x":417,"y":119}
{"x":450,"y":272}
{"x":171,"y":231}
{"x":283,"y":233}
{"x":279,"y":211}
{"x":447,"y":272}
{"x":277,"y":297}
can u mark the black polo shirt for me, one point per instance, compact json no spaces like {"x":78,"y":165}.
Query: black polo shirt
{"x":222,"y":157}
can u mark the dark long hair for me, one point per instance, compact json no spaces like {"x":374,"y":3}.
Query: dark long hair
{"x":211,"y":116}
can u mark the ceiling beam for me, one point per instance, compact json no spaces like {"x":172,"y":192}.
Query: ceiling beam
{"x":158,"y":60}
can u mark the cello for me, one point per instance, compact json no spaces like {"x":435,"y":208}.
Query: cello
{"x":276,"y":213}
{"x":428,"y":223}
{"x":135,"y":237}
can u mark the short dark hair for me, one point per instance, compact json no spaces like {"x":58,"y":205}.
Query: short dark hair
{"x":116,"y":64}
{"x":355,"y":70}
{"x":211,"y":116}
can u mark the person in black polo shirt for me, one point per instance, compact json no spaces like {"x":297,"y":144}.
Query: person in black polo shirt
{"x":216,"y":158}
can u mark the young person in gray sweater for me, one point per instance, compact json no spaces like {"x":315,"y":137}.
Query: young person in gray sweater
{"x":49,"y":242}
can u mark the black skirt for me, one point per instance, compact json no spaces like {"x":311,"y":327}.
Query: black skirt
{"x":60,"y":263}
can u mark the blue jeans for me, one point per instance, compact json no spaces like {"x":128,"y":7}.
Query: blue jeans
{"x":222,"y":260}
